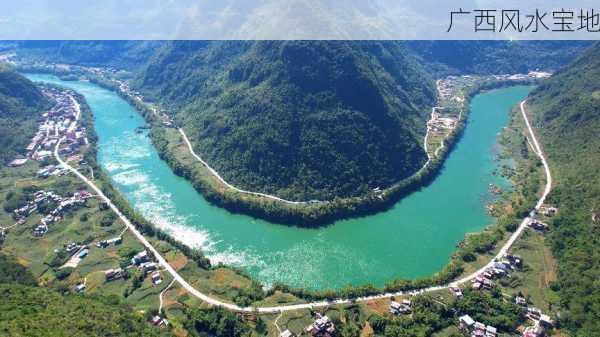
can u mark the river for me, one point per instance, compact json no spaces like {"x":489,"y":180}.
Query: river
{"x":413,"y":239}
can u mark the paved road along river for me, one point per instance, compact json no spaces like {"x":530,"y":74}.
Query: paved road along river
{"x":415,"y":238}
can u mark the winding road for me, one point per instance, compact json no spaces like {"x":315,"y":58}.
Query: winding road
{"x":277,"y":309}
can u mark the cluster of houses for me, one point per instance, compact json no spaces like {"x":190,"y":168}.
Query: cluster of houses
{"x":60,"y":120}
{"x":78,"y":199}
{"x":147,"y":266}
{"x":51,"y":170}
{"x":476,"y":329}
{"x":400,"y":308}
{"x":450,"y":88}
{"x":545,"y":210}
{"x":142,"y":260}
{"x":498,"y":268}
{"x":322,"y":326}
{"x":38,"y":198}
{"x":447,"y":89}
{"x":440,"y":122}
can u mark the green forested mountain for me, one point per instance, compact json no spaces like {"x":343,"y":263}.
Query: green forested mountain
{"x":299,"y":119}
{"x":20,"y":102}
{"x":495,"y":57}
{"x":567,"y":116}
{"x":120,"y":54}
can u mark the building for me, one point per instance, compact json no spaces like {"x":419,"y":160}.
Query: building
{"x":322,"y":326}
{"x":83,"y":253}
{"x":148,"y":267}
{"x":546,"y":321}
{"x":287,"y":333}
{"x":596,"y":217}
{"x":140,"y":258}
{"x":159,"y":321}
{"x":520,"y":300}
{"x":113,"y":274}
{"x":456,"y":291}
{"x":538,"y":225}
{"x":476,"y":329}
{"x":79,"y":288}
{"x":400,"y":308}
{"x":550,"y":211}
{"x":110,"y":242}
{"x":515,"y":260}
{"x":156,"y":279}
{"x":18,"y":162}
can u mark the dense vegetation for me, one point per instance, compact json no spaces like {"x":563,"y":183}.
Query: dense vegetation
{"x":303,"y":120}
{"x":566,"y":109}
{"x":120,"y":54}
{"x":34,"y":311}
{"x":13,"y":272}
{"x":495,"y":57}
{"x":20,"y":103}
{"x":28,"y":310}
{"x":217,"y":322}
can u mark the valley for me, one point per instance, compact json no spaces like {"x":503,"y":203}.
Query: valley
{"x":483,"y":240}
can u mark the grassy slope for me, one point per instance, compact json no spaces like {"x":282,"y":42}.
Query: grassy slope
{"x":20,"y":101}
{"x":567,"y":117}
{"x":299,"y":119}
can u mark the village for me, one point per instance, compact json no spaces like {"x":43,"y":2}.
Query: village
{"x":59,"y":121}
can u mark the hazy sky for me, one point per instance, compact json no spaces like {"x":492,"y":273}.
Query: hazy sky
{"x":270,"y":19}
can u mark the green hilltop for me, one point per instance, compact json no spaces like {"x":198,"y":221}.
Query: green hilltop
{"x":299,"y":119}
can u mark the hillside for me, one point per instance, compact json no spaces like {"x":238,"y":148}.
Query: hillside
{"x":302,"y":120}
{"x":495,"y":57}
{"x":567,"y":116}
{"x":120,"y":54}
{"x":28,"y":310}
{"x":20,"y":102}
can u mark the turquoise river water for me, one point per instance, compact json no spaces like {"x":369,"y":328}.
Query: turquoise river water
{"x":415,"y":238}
